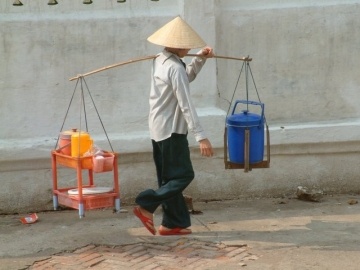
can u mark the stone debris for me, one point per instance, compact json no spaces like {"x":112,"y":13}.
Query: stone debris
{"x":314,"y":195}
{"x":352,"y":201}
{"x":189,"y":204}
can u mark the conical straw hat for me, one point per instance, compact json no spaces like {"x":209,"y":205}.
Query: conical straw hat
{"x":177,"y":34}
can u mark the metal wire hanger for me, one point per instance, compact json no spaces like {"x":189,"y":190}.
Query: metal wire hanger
{"x":83,"y":83}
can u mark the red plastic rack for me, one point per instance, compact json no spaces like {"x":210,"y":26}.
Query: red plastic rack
{"x":81,"y":201}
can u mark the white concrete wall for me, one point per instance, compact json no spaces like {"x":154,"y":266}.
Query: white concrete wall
{"x":304,"y":66}
{"x":305,"y":56}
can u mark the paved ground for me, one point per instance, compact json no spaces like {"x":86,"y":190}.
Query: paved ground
{"x":177,"y":254}
{"x":238,"y":234}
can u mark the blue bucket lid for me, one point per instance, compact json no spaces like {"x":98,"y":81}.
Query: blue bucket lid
{"x":244,"y":119}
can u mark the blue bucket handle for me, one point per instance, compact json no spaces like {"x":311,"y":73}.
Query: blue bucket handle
{"x":251,"y":103}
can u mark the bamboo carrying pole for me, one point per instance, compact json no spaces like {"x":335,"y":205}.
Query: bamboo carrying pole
{"x":247,"y":59}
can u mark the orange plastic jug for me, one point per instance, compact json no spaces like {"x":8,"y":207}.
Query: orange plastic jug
{"x":65,"y":141}
{"x":81,"y":142}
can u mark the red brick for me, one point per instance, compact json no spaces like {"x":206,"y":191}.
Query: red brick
{"x":197,"y":265}
{"x":186,"y":262}
{"x":146,"y":265}
{"x":229,"y":249}
{"x":251,"y":258}
{"x":222,"y":258}
{"x":105,"y":249}
{"x":182,"y":246}
{"x":88,"y":255}
{"x":93,"y":262}
{"x":180,"y":242}
{"x":185,"y":251}
{"x":130,"y":247}
{"x":152,"y":266}
{"x":65,"y":260}
{"x":40,"y":267}
{"x":164,"y":257}
{"x":240,"y":257}
{"x":83,"y":249}
{"x":206,"y":247}
{"x":156,"y":246}
{"x":236,"y":252}
{"x":141,"y":258}
{"x":120,"y":263}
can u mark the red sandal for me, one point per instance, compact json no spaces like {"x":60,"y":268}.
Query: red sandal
{"x":147,"y":222}
{"x":175,"y":231}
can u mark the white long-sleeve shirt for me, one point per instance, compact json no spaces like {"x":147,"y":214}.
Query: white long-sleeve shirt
{"x":171,"y":107}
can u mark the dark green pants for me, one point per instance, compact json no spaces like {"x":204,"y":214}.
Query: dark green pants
{"x":174,"y":174}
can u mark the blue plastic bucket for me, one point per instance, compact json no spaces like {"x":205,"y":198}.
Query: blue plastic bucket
{"x":236,"y":125}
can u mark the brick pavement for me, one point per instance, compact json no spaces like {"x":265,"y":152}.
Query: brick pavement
{"x":179,"y":253}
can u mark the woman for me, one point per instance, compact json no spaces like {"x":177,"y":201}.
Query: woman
{"x":172,"y":115}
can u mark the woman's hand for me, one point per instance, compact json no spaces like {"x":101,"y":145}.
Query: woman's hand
{"x":207,"y":52}
{"x":206,"y":148}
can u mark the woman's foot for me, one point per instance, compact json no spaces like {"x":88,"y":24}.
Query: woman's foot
{"x":174,"y":231}
{"x":146,"y":218}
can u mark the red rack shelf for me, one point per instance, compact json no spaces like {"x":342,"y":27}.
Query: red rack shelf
{"x":81,"y":201}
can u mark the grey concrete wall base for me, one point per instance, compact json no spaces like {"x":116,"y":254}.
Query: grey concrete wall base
{"x":331,"y":166}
